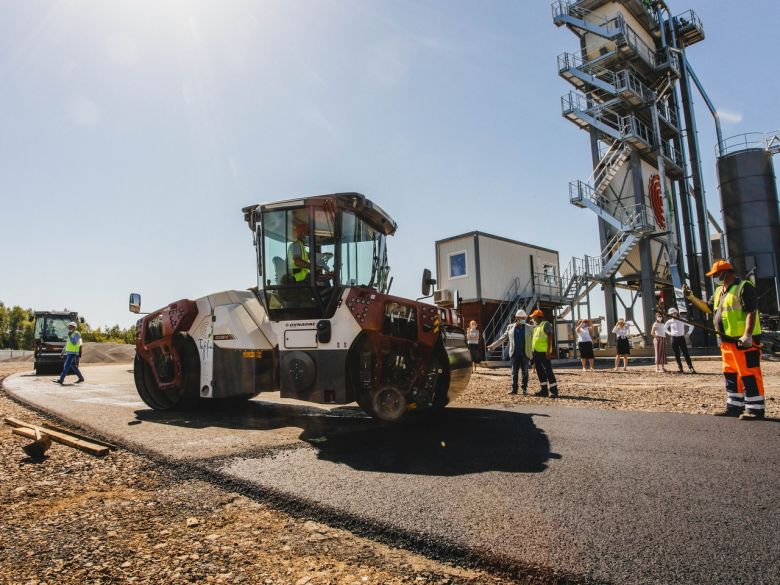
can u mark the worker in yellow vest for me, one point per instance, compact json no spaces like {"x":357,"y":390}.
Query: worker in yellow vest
{"x":542,"y":353}
{"x":736,"y":320}
{"x":71,"y":351}
{"x":298,"y":254}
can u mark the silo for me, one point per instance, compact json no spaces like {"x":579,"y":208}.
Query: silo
{"x":749,"y":202}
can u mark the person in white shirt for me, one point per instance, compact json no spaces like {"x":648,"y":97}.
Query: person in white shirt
{"x":659,"y":342}
{"x":472,"y":338}
{"x":623,"y":347}
{"x":678,"y":331}
{"x":585,"y":344}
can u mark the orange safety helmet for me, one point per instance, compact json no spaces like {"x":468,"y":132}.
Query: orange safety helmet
{"x":537,"y":313}
{"x":720,"y":266}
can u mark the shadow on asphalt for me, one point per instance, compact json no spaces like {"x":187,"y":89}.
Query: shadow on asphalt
{"x":456,"y":441}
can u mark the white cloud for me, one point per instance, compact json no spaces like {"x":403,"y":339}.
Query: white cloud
{"x":729,"y":117}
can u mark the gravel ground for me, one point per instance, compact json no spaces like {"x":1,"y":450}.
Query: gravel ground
{"x":74,"y":518}
{"x":78,"y":519}
{"x":639,"y":388}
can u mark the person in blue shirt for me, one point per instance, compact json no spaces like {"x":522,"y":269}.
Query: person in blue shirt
{"x":520,"y":336}
{"x":71,"y":351}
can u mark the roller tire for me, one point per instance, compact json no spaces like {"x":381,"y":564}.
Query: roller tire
{"x":440,"y":398}
{"x":183,"y":398}
{"x":388,"y":404}
{"x":142,"y":373}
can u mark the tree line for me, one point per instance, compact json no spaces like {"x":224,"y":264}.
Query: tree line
{"x":17,"y":330}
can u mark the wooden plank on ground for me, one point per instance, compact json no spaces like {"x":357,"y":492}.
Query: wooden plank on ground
{"x":15,"y":422}
{"x":27,"y":430}
{"x":78,"y":435}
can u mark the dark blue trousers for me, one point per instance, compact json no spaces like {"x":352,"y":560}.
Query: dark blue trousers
{"x":520,"y":362}
{"x":71,"y":367}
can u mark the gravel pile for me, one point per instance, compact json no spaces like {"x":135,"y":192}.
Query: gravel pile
{"x":96,"y":353}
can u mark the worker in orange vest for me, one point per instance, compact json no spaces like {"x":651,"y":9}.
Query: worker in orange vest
{"x":736,"y":320}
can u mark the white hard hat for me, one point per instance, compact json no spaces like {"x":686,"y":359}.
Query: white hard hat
{"x":72,"y":324}
{"x":672,"y":311}
{"x":521,"y":313}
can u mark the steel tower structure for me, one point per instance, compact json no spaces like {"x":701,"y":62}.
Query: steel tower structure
{"x":625,"y":79}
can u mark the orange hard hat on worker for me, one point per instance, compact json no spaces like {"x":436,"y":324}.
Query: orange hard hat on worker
{"x":537,"y":313}
{"x":720,"y":266}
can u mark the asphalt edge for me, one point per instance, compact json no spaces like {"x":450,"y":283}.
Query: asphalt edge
{"x":301,"y":508}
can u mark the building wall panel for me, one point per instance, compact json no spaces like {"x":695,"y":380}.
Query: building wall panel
{"x":466,"y":285}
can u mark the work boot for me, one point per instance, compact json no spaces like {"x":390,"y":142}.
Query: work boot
{"x":732,"y":412}
{"x":752,"y":415}
{"x":543,"y":393}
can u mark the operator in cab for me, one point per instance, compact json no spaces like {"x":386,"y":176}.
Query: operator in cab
{"x":298,"y":253}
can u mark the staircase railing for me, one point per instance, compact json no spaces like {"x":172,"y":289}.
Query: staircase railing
{"x":489,"y":331}
{"x":515,"y":298}
{"x":577,"y":61}
{"x":615,"y":152}
{"x":627,"y":80}
{"x":632,"y":127}
{"x":561,"y":8}
{"x":588,"y":104}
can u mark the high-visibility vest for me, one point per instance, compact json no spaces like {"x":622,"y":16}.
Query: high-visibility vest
{"x":732,"y":315}
{"x":73,"y":346}
{"x":540,"y":338}
{"x":298,"y":273}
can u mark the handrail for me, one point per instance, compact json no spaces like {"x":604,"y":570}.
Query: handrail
{"x":615,"y":151}
{"x":631,"y":126}
{"x":769,"y":141}
{"x":688,"y":18}
{"x":625,"y":79}
{"x":575,"y":101}
{"x":570,"y":60}
{"x":495,"y":327}
{"x":566,"y":8}
{"x":509,"y":296}
{"x":669,"y":151}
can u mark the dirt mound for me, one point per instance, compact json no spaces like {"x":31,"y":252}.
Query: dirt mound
{"x":107,"y":353}
{"x":98,"y":353}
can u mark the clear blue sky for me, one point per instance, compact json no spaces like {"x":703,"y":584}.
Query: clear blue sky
{"x":132,"y":133}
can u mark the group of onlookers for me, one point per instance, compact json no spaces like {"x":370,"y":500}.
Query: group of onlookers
{"x":678,"y":331}
{"x":735,"y":320}
{"x":530,"y":344}
{"x":673,"y":328}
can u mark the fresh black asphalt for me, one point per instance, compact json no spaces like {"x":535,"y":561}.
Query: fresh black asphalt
{"x":580,"y":494}
{"x":615,"y":496}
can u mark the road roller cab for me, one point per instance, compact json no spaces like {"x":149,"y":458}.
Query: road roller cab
{"x":319,"y":326}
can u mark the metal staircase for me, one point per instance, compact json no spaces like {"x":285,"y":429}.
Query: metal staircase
{"x":623,"y":91}
{"x":515,"y":298}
